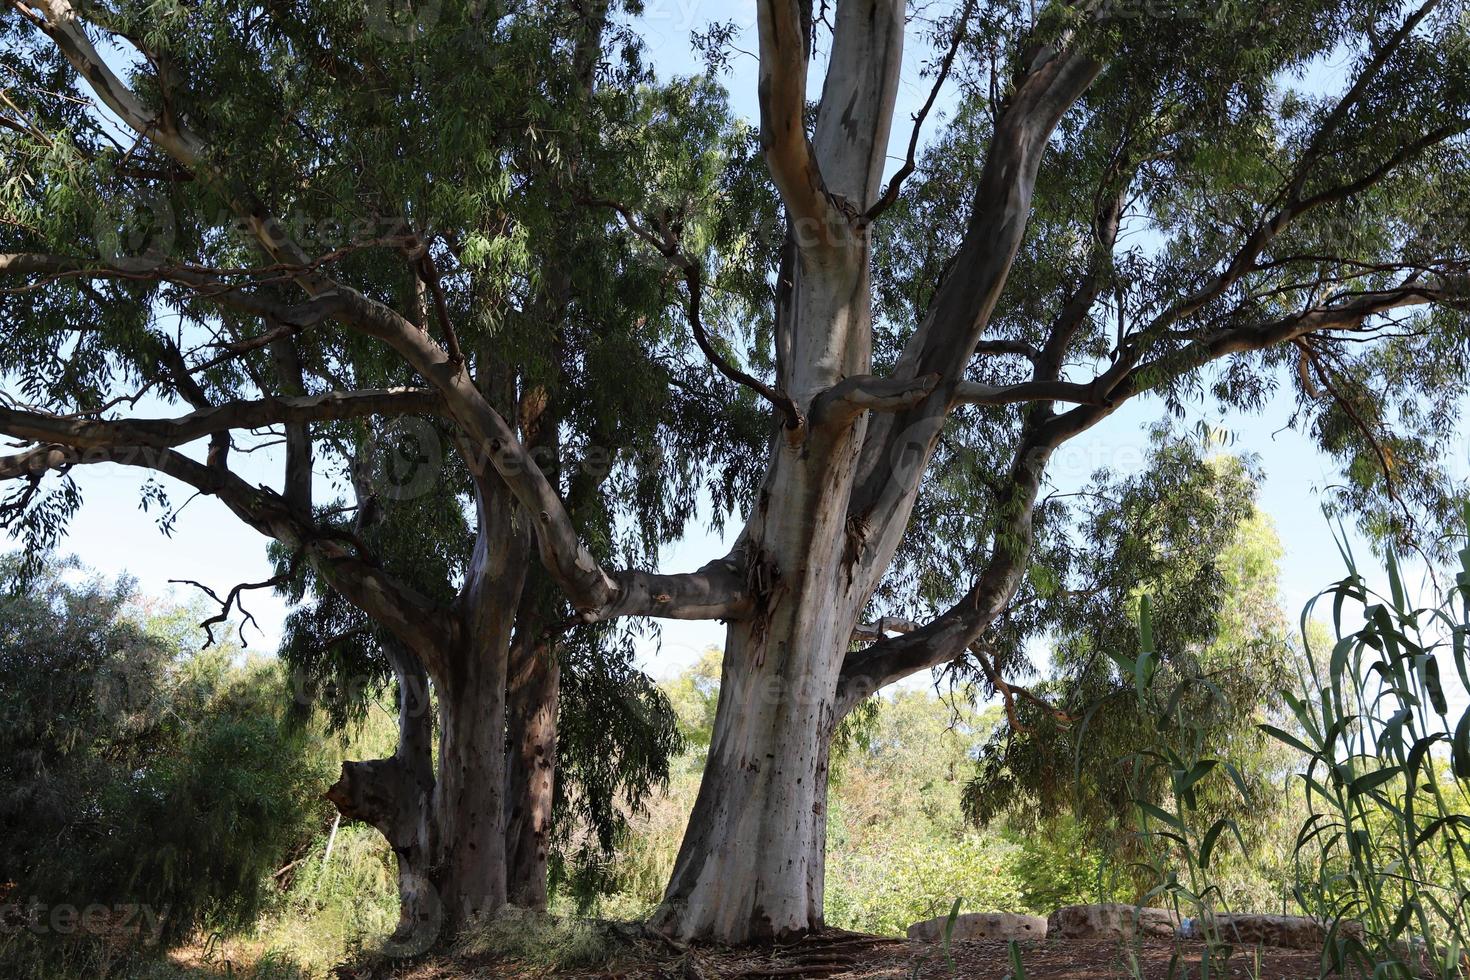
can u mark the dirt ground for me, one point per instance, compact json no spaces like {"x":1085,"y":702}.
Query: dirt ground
{"x":838,"y":955}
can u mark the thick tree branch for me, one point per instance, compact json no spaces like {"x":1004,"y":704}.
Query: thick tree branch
{"x":290,"y":318}
{"x":1009,"y":693}
{"x":976,"y":393}
{"x":718,"y":590}
{"x":952,"y":327}
{"x":62,"y":25}
{"x":415,"y":620}
{"x":855,"y":114}
{"x":782,"y":96}
{"x":1350,"y":314}
{"x":851,"y":397}
{"x":168,"y":433}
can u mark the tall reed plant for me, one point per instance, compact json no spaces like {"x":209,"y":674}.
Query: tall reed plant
{"x":1383,"y":855}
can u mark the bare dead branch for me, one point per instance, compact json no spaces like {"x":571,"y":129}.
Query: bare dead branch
{"x":231,"y":600}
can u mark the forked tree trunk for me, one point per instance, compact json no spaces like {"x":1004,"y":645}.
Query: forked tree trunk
{"x":447,"y":829}
{"x":752,"y":862}
{"x":751,"y":865}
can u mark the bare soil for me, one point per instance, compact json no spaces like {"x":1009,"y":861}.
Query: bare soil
{"x":837,"y":955}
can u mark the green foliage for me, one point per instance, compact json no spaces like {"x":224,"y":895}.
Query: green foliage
{"x":1184,"y":532}
{"x":140,"y":773}
{"x":1201,"y":116}
{"x":333,"y":904}
{"x":1176,"y":838}
{"x":886,"y":891}
{"x":1058,"y":864}
{"x":617,"y":737}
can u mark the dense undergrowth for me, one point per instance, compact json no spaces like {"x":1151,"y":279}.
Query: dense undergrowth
{"x":1367,"y":820}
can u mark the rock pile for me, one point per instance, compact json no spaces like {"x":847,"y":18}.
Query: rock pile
{"x":982,"y":925}
{"x":1118,"y":921}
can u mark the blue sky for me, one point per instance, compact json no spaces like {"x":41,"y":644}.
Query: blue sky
{"x":211,"y":545}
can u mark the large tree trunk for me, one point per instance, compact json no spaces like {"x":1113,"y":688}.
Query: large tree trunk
{"x":395,"y":795}
{"x":447,"y":829}
{"x":535,"y":676}
{"x":469,"y":797}
{"x":751,"y":865}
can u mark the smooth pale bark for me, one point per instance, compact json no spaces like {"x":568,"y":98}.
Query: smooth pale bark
{"x":751,"y":865}
{"x":752,"y":862}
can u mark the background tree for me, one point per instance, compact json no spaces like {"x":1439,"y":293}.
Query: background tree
{"x":1185,"y":533}
{"x":138,"y":769}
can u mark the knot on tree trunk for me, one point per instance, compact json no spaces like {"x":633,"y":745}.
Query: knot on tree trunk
{"x":379,"y":792}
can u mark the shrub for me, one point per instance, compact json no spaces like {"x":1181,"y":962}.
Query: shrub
{"x":140,"y":771}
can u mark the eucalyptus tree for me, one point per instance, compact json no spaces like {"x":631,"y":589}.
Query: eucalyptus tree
{"x":1119,"y":206}
{"x":195,"y":195}
{"x":1125,"y":202}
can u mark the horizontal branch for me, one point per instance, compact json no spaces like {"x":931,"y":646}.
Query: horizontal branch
{"x":998,"y":347}
{"x":851,"y":397}
{"x":167,"y":433}
{"x":206,"y":284}
{"x":1350,"y":314}
{"x":875,"y":632}
{"x":418,"y":622}
{"x":976,"y":393}
{"x":716,"y":591}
